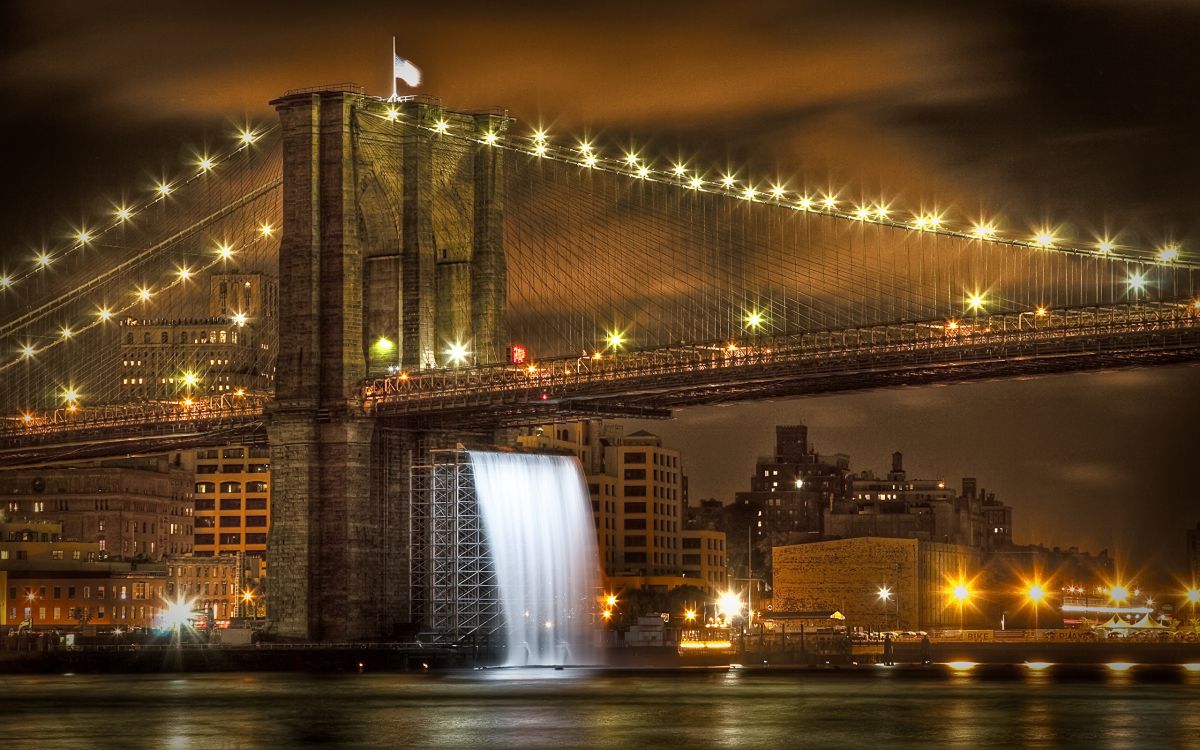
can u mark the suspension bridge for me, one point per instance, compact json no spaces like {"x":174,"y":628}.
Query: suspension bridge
{"x":370,"y":279}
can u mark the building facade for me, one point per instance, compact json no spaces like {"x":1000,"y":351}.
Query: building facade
{"x":49,"y":582}
{"x":232,"y":490}
{"x":133,"y":509}
{"x":226,"y":352}
{"x":848,"y":575}
{"x":214,"y":585}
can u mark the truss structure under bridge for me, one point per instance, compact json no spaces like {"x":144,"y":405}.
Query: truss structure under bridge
{"x":453,"y":586}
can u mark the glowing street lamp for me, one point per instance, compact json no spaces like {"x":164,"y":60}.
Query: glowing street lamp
{"x":960,"y":593}
{"x":729,"y":604}
{"x":1118,"y":593}
{"x":1035,"y":594}
{"x":1193,"y":596}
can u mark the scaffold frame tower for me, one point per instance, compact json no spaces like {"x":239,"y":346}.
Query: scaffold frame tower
{"x":453,"y":585}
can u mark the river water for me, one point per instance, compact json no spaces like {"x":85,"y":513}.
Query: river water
{"x":574,"y":708}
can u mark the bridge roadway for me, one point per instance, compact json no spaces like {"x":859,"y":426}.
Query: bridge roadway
{"x":650,"y":383}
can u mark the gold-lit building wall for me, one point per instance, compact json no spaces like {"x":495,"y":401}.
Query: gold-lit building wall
{"x":848,"y":574}
{"x":233,"y":499}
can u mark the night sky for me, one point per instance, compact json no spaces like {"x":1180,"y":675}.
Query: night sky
{"x":1077,"y":114}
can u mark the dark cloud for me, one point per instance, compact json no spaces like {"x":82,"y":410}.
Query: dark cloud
{"x":1076,"y":113}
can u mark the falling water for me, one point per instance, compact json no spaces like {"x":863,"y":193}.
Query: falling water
{"x":537,"y":517}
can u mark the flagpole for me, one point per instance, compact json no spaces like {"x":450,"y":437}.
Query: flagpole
{"x":393,"y":69}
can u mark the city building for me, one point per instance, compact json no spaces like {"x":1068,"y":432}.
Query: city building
{"x":225,"y":352}
{"x":790,"y":491}
{"x":882,"y":583}
{"x":639,"y":501}
{"x":133,"y":509}
{"x":926,"y":509}
{"x":703,"y":558}
{"x":49,"y":582}
{"x":232,"y":489}
{"x":213,"y":585}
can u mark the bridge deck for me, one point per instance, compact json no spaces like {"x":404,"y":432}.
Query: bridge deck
{"x":650,"y":383}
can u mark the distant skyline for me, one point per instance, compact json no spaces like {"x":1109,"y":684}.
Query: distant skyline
{"x":1076,"y":115}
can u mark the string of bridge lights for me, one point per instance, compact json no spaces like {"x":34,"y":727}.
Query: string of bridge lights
{"x":141,"y":295}
{"x":84,"y":236}
{"x":632,"y":164}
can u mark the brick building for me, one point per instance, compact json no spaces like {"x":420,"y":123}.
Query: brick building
{"x":847,"y":575}
{"x":133,"y":509}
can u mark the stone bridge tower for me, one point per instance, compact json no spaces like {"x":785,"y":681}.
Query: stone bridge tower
{"x":391,"y":253}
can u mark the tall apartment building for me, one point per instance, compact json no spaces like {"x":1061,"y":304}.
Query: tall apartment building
{"x":232,"y":490}
{"x":639,"y":501}
{"x":225,"y":352}
{"x":133,"y":509}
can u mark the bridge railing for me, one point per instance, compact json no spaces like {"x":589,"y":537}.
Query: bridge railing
{"x":410,"y":391}
{"x":207,"y":410}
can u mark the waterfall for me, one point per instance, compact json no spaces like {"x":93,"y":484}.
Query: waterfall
{"x":542,"y":539}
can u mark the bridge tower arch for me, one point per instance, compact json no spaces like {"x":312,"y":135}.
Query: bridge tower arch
{"x":391,"y":252}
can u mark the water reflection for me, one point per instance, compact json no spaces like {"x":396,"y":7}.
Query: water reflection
{"x":595,"y":708}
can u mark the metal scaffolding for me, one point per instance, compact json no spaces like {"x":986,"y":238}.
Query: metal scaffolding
{"x":453,"y":588}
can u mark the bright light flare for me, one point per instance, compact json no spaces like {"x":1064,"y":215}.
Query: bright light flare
{"x":1136,"y":281}
{"x":1035,"y":593}
{"x":247,"y":137}
{"x":43,"y":260}
{"x":391,"y":114}
{"x":1043,"y":239}
{"x":1193,"y":595}
{"x":1118,"y":593}
{"x":615,"y":339}
{"x":239,"y":319}
{"x":960,"y":592}
{"x":177,"y":613}
{"x":225,"y":252}
{"x":755,"y":320}
{"x":457,"y":353}
{"x":205,"y":164}
{"x":1169,"y":253}
{"x":490,"y":138}
{"x":66,"y":332}
{"x":144,"y":294}
{"x":983,"y":231}
{"x":83,"y":236}
{"x":884,"y":594}
{"x":122,"y":213}
{"x":185,"y":273}
{"x":266,"y":230}
{"x":729,"y":604}
{"x":163,"y":189}
{"x":104,"y":314}
{"x":190,"y":379}
{"x":975,"y":301}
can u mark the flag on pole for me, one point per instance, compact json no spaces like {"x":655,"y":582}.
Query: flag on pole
{"x":405,"y":71}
